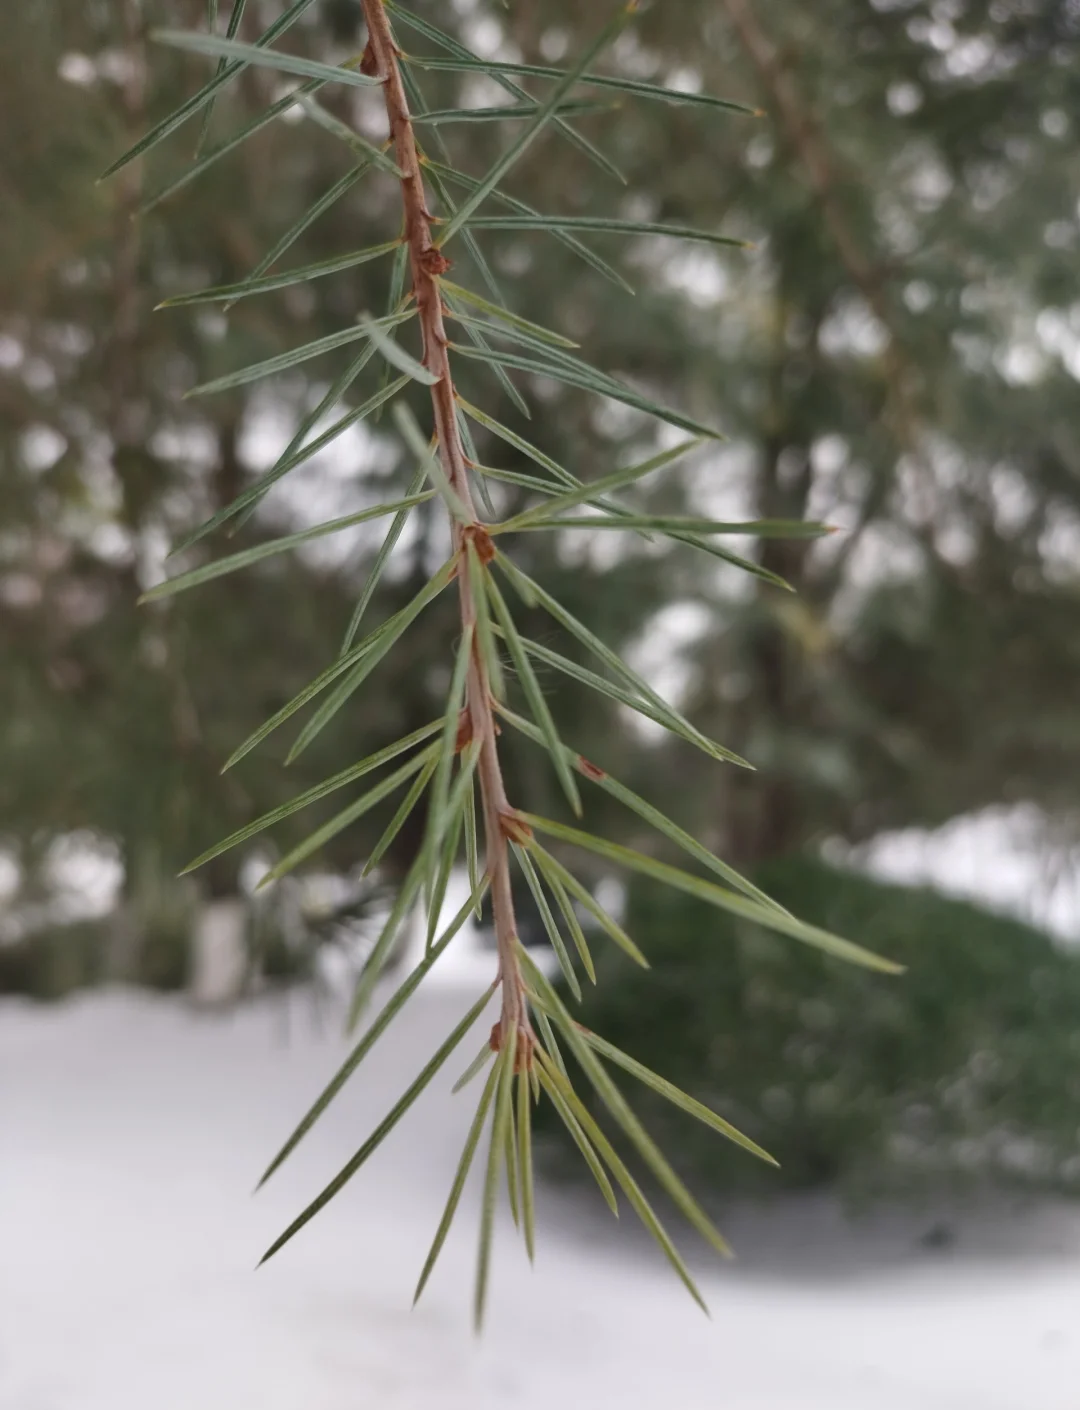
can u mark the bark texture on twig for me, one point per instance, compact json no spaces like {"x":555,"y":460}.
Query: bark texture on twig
{"x":426,"y":264}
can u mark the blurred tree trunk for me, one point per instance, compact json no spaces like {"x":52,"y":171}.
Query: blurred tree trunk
{"x":767,"y":809}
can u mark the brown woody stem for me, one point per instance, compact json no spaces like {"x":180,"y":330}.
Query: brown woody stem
{"x":426,"y":263}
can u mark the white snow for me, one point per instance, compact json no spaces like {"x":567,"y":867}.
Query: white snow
{"x":132,"y":1130}
{"x":1006,"y":857}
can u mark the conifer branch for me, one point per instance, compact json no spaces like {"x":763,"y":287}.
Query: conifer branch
{"x":427,"y":263}
{"x":453,"y":758}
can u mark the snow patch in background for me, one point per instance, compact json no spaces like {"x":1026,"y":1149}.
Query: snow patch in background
{"x":134,"y":1130}
{"x":1003,"y":858}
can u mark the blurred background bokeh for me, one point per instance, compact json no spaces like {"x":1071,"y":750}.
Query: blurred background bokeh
{"x":897,"y":354}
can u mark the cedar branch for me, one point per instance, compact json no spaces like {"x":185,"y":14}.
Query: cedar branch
{"x":426,"y":264}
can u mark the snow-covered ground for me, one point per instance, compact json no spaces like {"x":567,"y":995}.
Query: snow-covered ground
{"x":131,"y":1133}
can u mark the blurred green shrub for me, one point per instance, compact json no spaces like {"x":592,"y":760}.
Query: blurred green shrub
{"x":54,"y":963}
{"x":163,"y":954}
{"x":146,"y":943}
{"x":965,"y":1069}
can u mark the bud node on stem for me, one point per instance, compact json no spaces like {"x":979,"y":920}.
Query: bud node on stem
{"x":464,"y":732}
{"x":523,"y":1056}
{"x":481,"y":540}
{"x":434,"y":262}
{"x":515,"y":828}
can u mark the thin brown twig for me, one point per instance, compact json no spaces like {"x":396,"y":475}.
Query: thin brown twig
{"x":427,"y":263}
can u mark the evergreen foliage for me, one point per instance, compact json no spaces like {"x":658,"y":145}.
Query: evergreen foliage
{"x":960,"y":1075}
{"x":896,"y":355}
{"x":456,"y":760}
{"x":930,"y":144}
